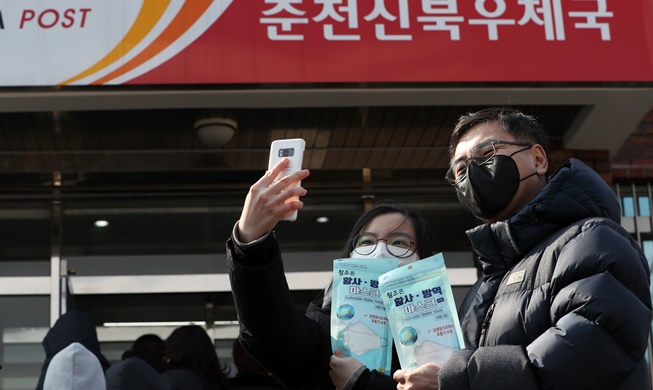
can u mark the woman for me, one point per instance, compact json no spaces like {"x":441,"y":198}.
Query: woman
{"x":192,"y":363}
{"x":296,"y":346}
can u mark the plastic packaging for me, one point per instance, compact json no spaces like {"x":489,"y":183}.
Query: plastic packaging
{"x":421,"y":312}
{"x":359,"y":325}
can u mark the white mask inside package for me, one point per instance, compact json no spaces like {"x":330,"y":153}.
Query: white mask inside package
{"x":421,"y":312}
{"x":359,"y":325}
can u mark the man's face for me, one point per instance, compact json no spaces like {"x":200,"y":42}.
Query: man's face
{"x":528,"y":162}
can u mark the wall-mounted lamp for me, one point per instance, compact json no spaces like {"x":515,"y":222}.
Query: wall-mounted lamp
{"x":215,"y":132}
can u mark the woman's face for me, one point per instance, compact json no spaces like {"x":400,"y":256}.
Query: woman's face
{"x":385,"y":224}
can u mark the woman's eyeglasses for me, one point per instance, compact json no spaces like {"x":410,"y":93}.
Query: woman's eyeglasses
{"x":482,"y":154}
{"x":398,"y":244}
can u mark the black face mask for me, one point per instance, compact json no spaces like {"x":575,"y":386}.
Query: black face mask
{"x":488,"y":188}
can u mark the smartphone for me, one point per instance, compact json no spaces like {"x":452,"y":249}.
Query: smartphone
{"x":293,"y":149}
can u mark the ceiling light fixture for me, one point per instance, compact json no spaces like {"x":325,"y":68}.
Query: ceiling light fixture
{"x":322,"y":219}
{"x":215,"y":132}
{"x":101,"y":223}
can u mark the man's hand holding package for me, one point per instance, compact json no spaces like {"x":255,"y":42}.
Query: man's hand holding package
{"x":342,"y":370}
{"x":421,"y":378}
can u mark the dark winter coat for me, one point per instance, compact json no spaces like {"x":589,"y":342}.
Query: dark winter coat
{"x":294,"y":346}
{"x":183,"y":379}
{"x":564,"y":301}
{"x":251,"y":381}
{"x":134,"y":374}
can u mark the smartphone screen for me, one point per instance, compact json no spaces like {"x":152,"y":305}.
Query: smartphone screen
{"x":293,"y":149}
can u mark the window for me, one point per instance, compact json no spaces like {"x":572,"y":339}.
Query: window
{"x":643,"y":206}
{"x":627,"y":206}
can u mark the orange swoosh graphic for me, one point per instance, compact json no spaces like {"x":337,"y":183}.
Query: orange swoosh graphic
{"x":150,"y":13}
{"x":189,"y":13}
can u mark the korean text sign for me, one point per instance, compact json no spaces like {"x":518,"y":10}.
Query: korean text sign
{"x":95,"y":42}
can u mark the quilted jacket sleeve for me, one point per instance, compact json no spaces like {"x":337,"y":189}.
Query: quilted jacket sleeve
{"x":600,"y":308}
{"x":283,"y":339}
{"x":503,"y":367}
{"x":601,"y":311}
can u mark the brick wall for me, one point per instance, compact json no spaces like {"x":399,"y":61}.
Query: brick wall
{"x":634,"y":161}
{"x":599,"y":160}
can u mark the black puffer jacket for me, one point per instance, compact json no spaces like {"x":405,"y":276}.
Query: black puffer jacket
{"x":294,"y":346}
{"x":564,"y":302}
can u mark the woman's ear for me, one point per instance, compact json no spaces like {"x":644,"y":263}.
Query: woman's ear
{"x":541,"y":161}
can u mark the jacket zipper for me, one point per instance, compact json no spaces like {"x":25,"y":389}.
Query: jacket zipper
{"x":486,"y":324}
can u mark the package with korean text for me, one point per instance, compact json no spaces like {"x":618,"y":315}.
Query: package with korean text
{"x":421,"y":312}
{"x":359,"y":325}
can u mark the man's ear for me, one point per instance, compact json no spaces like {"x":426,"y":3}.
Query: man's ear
{"x":541,"y":161}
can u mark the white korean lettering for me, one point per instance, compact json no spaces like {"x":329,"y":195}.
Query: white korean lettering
{"x":441,"y":23}
{"x":440,"y":6}
{"x":591,"y":19}
{"x":491,"y":16}
{"x":329,"y":12}
{"x":286,"y":23}
{"x":380,"y":11}
{"x":552,"y":18}
{"x":430,"y":303}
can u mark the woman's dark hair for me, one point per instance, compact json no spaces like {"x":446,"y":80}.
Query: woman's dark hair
{"x":190,"y":347}
{"x":524,"y":128}
{"x":423,"y":231}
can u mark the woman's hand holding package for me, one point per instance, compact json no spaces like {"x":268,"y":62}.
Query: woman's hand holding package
{"x":265,"y":203}
{"x":423,"y":377}
{"x":342,"y":369}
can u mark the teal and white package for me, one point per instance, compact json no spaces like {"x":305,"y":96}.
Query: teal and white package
{"x":359,"y":325}
{"x":422,"y":312}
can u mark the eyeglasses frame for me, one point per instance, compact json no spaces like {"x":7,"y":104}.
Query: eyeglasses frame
{"x":408,"y":251}
{"x":485,"y":160}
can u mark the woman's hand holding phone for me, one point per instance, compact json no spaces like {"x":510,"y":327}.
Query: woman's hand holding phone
{"x":267,"y":201}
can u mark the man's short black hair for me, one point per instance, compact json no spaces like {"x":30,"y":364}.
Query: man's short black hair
{"x":524,"y":128}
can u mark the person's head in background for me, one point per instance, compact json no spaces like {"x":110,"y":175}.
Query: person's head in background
{"x":149,"y":347}
{"x":498,"y":162}
{"x":390,"y":229}
{"x":190,"y":347}
{"x":74,"y":368}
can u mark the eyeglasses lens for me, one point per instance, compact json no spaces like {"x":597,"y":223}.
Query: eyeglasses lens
{"x":398,"y":244}
{"x":364,"y":243}
{"x":481,"y":155}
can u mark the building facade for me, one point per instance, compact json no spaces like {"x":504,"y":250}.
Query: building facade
{"x":115,"y":202}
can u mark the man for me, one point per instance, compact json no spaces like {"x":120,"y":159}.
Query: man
{"x":564,"y":300}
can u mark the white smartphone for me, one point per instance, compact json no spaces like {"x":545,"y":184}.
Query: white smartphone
{"x":293,"y":149}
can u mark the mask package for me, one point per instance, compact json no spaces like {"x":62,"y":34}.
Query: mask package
{"x":359,"y":325}
{"x":421,"y":312}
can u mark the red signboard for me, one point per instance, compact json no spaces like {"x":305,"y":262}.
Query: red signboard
{"x":420,"y":40}
{"x":333,"y":41}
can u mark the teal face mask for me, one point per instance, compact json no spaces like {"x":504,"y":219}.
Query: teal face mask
{"x":359,"y":325}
